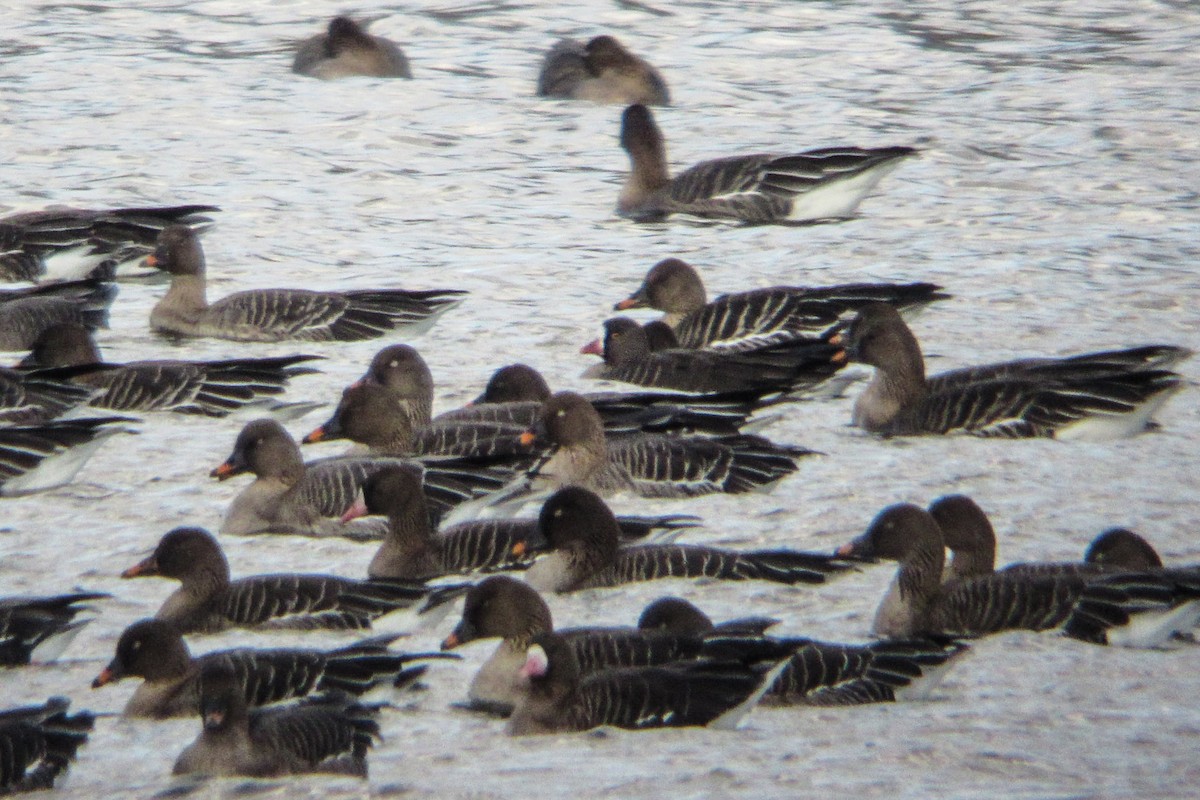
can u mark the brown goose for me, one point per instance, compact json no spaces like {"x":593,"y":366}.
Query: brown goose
{"x":508,"y":609}
{"x":1092,"y":396}
{"x":556,"y":698}
{"x":674,"y":287}
{"x":788,"y":364}
{"x":290,"y":495}
{"x":154,"y":650}
{"x":34,"y":458}
{"x":35,"y":243}
{"x":40,"y":628}
{"x":1122,"y":548}
{"x":583,"y":539}
{"x":212,"y":388}
{"x":326,"y":734}
{"x":38,"y":744}
{"x":345,"y":49}
{"x":208,"y":601}
{"x":818,"y":184}
{"x":275,"y":315}
{"x":652,"y":465}
{"x":1139,"y":609}
{"x":26,"y":314}
{"x":601,"y":71}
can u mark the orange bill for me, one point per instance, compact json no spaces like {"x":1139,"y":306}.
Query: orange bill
{"x":105,"y":677}
{"x":593,"y":348}
{"x":627,"y":303}
{"x":450,"y":642}
{"x":224,"y":471}
{"x":145,"y":567}
{"x":527,"y":438}
{"x":316,"y":436}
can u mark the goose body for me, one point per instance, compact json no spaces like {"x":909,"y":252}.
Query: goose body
{"x":345,"y":50}
{"x":38,"y":744}
{"x":34,"y":458}
{"x":601,"y":71}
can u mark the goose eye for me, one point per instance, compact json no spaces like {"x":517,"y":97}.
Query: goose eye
{"x":393,"y":363}
{"x":137,"y":645}
{"x":558,"y":512}
{"x":561,"y":413}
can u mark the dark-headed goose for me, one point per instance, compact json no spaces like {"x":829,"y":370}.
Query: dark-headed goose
{"x":40,"y":628}
{"x":818,"y":184}
{"x":584,"y":542}
{"x":38,"y":457}
{"x":208,"y":601}
{"x":290,"y":495}
{"x":674,"y":287}
{"x":212,"y":388}
{"x":275,"y":315}
{"x":789,"y":363}
{"x":331,"y":733}
{"x":26,"y":314}
{"x":38,"y":744}
{"x":154,"y":651}
{"x":556,"y":698}
{"x":652,"y":465}
{"x":63,"y":243}
{"x":345,"y":49}
{"x":601,"y":71}
{"x":1141,"y":609}
{"x":1092,"y":396}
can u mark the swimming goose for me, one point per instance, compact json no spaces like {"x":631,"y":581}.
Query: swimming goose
{"x":345,"y":49}
{"x":1082,"y":397}
{"x":1122,"y":548}
{"x":38,"y":744}
{"x":208,"y":601}
{"x":818,"y":184}
{"x":652,"y":465}
{"x":212,"y":388}
{"x":26,"y":314}
{"x":275,"y":315}
{"x":584,"y":543}
{"x":27,"y":399}
{"x":601,"y":71}
{"x":678,"y":616}
{"x":290,"y":495}
{"x":73,"y":242}
{"x":34,"y":458}
{"x":1140,"y":609}
{"x":555,"y":698}
{"x":154,"y":651}
{"x":40,"y":628}
{"x":674,"y":287}
{"x":787,"y":364}
{"x":331,"y":733}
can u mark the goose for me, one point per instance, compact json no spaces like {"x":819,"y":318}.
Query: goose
{"x":34,"y":458}
{"x":601,"y":71}
{"x":26,"y":314}
{"x":275,"y":315}
{"x":40,"y":628}
{"x":38,"y":744}
{"x":783,"y":365}
{"x":1091,"y":396}
{"x":63,"y":243}
{"x":152,"y":649}
{"x":345,"y":49}
{"x":331,"y":733}
{"x":674,"y":287}
{"x":207,"y":601}
{"x":211,"y":388}
{"x":555,"y":698}
{"x":1137,"y":609}
{"x":27,"y":399}
{"x":760,"y":188}
{"x":583,"y":540}
{"x":651,"y":465}
{"x":290,"y":495}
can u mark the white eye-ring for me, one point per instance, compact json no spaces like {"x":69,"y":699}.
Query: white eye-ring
{"x":558,"y":512}
{"x":561,"y":413}
{"x":393,"y":363}
{"x":137,"y":646}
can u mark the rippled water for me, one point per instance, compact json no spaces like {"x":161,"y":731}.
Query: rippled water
{"x":1056,"y":198}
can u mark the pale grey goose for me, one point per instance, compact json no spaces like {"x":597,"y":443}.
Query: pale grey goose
{"x":601,"y":71}
{"x":331,"y":733}
{"x":1091,"y":396}
{"x":154,"y":650}
{"x":584,"y":543}
{"x":39,"y":628}
{"x":818,"y":184}
{"x":211,"y":388}
{"x":1142,"y":609}
{"x":38,"y":744}
{"x":674,"y":287}
{"x":274,"y":315}
{"x":290,"y":495}
{"x":345,"y":50}
{"x":208,"y":601}
{"x":652,"y":465}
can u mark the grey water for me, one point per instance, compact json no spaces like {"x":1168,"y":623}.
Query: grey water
{"x":1055,"y":197}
